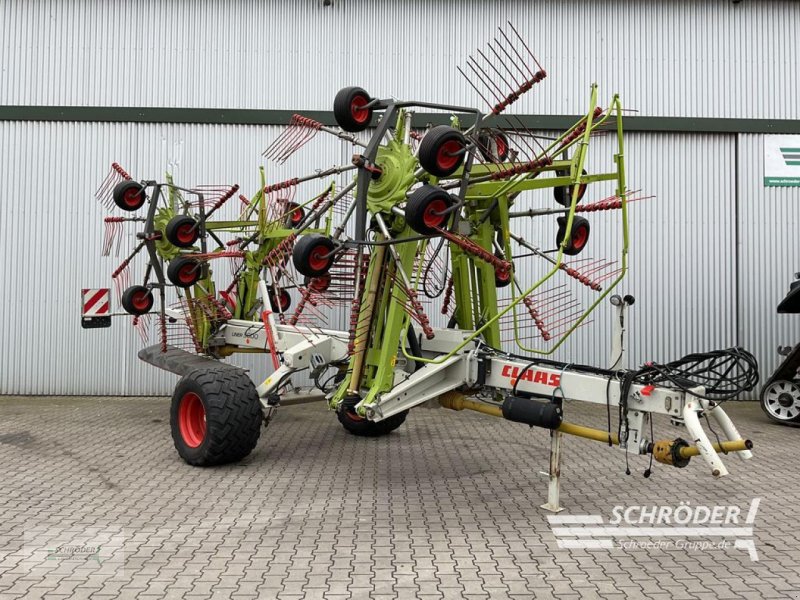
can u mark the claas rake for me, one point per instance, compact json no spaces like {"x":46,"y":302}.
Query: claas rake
{"x":432,"y":254}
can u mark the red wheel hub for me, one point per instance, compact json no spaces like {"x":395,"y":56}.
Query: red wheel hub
{"x":502,"y":149}
{"x":318,"y":258}
{"x":579,"y":237}
{"x":449,"y":154}
{"x":192,"y":419}
{"x":432,"y":216}
{"x":357,"y":110}
{"x":188,"y":273}
{"x":132,"y":196}
{"x":320,"y":284}
{"x":503,"y":275}
{"x":186,"y":234}
{"x":141,"y":300}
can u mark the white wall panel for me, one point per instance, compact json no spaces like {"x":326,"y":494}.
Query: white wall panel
{"x":671,"y":58}
{"x":769,"y":249}
{"x":51,"y":229}
{"x":51,"y":233}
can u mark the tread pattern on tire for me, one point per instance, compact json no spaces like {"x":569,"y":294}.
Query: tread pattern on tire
{"x":367,"y":428}
{"x":233,"y":416}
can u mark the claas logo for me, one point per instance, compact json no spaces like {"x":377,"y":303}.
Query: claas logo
{"x":551,"y":379}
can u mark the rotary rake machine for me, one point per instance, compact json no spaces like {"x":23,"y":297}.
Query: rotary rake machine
{"x":449,"y":303}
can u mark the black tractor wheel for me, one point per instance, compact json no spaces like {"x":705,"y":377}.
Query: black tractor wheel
{"x":493,"y":146}
{"x":215,"y":417}
{"x":295,"y":215}
{"x":182,"y":231}
{"x":578,"y":238}
{"x":781,"y":401}
{"x":184,"y":271}
{"x":442,"y":151}
{"x":129,"y":195}
{"x":563,"y":194}
{"x":281,"y":302}
{"x":313,"y":255}
{"x":425,"y":209}
{"x":360,"y":426}
{"x":137,"y":300}
{"x":349,"y":109}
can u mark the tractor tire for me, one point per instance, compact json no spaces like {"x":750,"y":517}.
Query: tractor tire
{"x":579,"y":237}
{"x":442,"y":151}
{"x":362,"y":427}
{"x":129,"y":195}
{"x":424,"y":207}
{"x":182,"y":231}
{"x":349,"y":111}
{"x":312,"y":255}
{"x":137,"y":300}
{"x":215,"y":417}
{"x":184,"y":271}
{"x":781,"y":401}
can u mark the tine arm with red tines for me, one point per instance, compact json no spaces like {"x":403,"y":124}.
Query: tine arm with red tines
{"x":115,"y":175}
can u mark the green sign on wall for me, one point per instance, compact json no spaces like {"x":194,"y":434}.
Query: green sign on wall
{"x":782,"y":160}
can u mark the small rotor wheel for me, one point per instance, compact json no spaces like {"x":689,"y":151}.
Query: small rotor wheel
{"x":295,"y":215}
{"x":129,"y":195}
{"x":313,"y":255}
{"x":442,"y":151}
{"x":318,"y":284}
{"x":281,"y":301}
{"x":563,"y":193}
{"x":426,"y":209}
{"x":579,"y":234}
{"x":137,"y":300}
{"x":182,"y":231}
{"x":493,"y":146}
{"x":184,"y":271}
{"x":781,"y":401}
{"x":350,"y":109}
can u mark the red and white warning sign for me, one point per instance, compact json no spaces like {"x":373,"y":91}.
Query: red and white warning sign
{"x":96,"y":303}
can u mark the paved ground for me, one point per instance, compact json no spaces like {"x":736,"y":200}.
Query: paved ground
{"x":95,"y":503}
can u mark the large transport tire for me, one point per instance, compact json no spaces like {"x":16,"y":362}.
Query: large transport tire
{"x":365,"y":428}
{"x":781,"y":401}
{"x":349,"y":111}
{"x":215,"y":417}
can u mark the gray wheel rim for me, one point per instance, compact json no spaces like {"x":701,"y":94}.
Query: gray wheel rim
{"x":782,"y":400}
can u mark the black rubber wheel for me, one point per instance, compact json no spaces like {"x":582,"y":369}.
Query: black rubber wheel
{"x":424,"y":208}
{"x":318,"y":284}
{"x":184,"y":271}
{"x":493,"y":146}
{"x":182,"y":231}
{"x":442,"y":151}
{"x":349,"y":111}
{"x":281,"y":303}
{"x":578,"y":238}
{"x":780,"y":399}
{"x":313,"y":255}
{"x":563,"y":194}
{"x":215,"y":417}
{"x":365,"y":428}
{"x":137,"y":300}
{"x":129,"y":195}
{"x":295,"y":216}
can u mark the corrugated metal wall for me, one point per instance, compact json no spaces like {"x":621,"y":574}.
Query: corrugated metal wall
{"x":711,"y":59}
{"x":700,"y":59}
{"x":769,"y":256}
